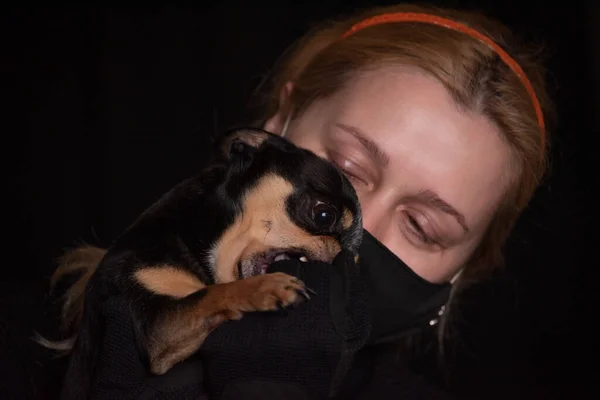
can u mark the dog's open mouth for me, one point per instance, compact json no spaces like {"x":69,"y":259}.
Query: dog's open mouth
{"x":258,"y":263}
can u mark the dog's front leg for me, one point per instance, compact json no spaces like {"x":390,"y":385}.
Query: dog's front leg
{"x":179,"y":330}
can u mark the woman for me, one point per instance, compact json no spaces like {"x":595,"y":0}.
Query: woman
{"x":442,"y":133}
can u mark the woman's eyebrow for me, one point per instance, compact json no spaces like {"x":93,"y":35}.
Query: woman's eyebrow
{"x":372,"y":147}
{"x":434,"y":200}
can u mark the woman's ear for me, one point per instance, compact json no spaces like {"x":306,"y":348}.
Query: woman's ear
{"x":276,"y":123}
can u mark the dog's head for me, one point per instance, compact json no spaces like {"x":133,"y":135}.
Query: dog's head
{"x":290,"y":204}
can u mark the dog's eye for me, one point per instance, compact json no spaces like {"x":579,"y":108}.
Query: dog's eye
{"x":324,"y":215}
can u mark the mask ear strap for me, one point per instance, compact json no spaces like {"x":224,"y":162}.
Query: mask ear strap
{"x":286,"y":124}
{"x":456,"y":276}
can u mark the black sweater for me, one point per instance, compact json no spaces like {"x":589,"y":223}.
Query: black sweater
{"x":27,"y":372}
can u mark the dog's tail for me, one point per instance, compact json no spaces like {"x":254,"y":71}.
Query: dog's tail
{"x":85,"y":352}
{"x":82,"y":260}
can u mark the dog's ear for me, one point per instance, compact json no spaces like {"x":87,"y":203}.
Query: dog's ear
{"x":242,"y":142}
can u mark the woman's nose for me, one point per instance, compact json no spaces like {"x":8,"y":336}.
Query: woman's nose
{"x":377,"y":216}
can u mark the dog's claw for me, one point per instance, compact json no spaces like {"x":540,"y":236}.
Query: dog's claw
{"x":304,"y":293}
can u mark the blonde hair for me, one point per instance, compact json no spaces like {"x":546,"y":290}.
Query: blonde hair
{"x":321,"y":63}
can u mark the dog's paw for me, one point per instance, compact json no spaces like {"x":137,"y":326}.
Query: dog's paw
{"x":271,"y":291}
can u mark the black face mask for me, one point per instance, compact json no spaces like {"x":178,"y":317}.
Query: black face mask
{"x":400,"y":300}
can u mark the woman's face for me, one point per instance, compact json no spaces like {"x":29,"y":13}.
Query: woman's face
{"x":429,"y":175}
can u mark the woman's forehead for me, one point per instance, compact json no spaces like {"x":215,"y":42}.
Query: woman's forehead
{"x":428,"y":139}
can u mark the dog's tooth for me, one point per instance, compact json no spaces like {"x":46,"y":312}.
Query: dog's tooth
{"x":281,"y":257}
{"x":303,"y":259}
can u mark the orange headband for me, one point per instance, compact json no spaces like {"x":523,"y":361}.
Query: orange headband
{"x":457,"y":26}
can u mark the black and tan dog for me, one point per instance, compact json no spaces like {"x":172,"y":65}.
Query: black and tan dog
{"x":198,"y":256}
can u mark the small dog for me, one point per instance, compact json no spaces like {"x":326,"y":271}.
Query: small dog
{"x":199,"y":255}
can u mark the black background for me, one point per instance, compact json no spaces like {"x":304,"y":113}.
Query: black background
{"x":107,"y":107}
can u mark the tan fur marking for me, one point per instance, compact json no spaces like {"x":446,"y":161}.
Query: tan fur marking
{"x":169,"y":280}
{"x":347,"y":218}
{"x":264,"y":224}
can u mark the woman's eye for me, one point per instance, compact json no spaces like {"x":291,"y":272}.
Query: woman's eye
{"x":353,"y":178}
{"x":417,"y":230}
{"x":348,"y":168}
